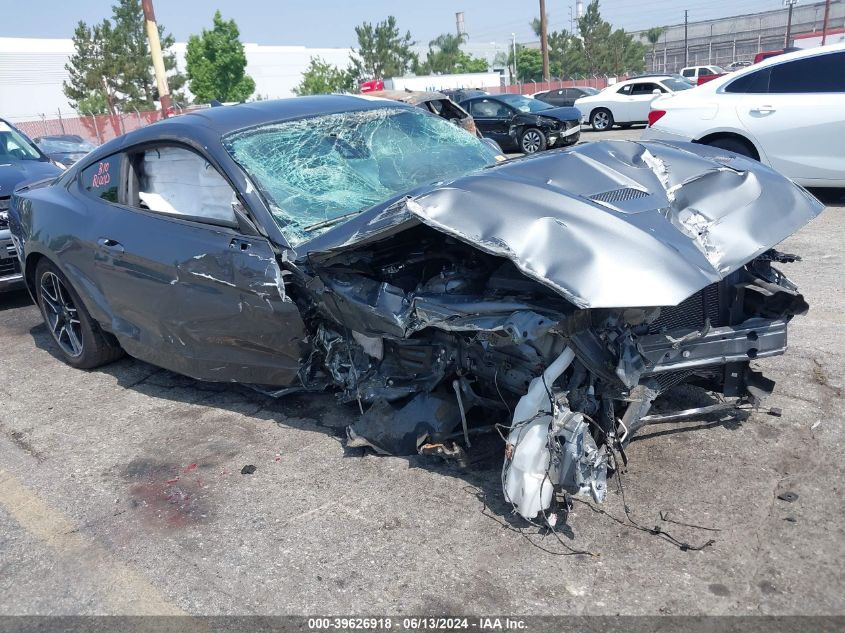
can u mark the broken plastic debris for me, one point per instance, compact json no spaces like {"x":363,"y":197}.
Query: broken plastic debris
{"x":248,"y":469}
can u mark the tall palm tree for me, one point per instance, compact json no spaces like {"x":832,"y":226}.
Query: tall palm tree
{"x":653,"y":36}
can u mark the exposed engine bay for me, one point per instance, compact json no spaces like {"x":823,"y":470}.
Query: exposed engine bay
{"x":435,"y":331}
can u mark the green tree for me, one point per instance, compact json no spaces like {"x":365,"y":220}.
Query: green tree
{"x":111,"y":63}
{"x":216,"y":64}
{"x":323,"y":78}
{"x":382,"y":51}
{"x":653,"y":36}
{"x":445,"y":57}
{"x":89,"y":87}
{"x":470,"y":64}
{"x":604,"y":50}
{"x":529,"y":64}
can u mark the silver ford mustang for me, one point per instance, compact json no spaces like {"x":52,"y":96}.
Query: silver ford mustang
{"x":377,"y":250}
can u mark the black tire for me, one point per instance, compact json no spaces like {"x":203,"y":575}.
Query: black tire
{"x":79,"y":339}
{"x":601,"y":119}
{"x":733,"y":145}
{"x":532,"y":140}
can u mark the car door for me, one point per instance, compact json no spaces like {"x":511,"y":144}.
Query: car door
{"x":493,"y":119}
{"x":619,"y":103}
{"x":639,"y":102}
{"x":795,"y":112}
{"x":185,"y":286}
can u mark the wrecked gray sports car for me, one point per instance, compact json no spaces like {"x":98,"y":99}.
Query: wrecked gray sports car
{"x":375,"y":249}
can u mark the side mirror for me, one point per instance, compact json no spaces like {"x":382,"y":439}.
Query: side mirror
{"x":657,"y":91}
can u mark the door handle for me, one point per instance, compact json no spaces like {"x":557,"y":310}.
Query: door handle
{"x":112,"y":246}
{"x":765,"y":109}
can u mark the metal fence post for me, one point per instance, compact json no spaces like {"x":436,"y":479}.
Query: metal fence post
{"x":96,"y":129}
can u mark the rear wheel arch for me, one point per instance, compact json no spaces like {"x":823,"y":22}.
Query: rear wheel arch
{"x":731,"y":136}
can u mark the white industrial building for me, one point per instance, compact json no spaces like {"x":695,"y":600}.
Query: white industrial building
{"x":32,"y":71}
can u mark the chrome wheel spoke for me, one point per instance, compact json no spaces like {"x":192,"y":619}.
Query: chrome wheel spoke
{"x":61,"y":315}
{"x":73,"y":339}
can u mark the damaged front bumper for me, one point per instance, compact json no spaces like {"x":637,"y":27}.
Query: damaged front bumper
{"x":572,"y":289}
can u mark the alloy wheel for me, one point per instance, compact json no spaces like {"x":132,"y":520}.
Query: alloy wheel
{"x":61,"y":314}
{"x":600,"y":120}
{"x":531,"y":141}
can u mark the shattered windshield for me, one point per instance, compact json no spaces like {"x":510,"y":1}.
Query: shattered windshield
{"x":14,"y":146}
{"x":316,"y":171}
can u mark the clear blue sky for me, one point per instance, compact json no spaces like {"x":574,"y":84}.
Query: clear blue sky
{"x":330,"y":23}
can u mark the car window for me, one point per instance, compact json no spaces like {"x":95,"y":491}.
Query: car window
{"x":484,"y":108}
{"x":14,"y":146}
{"x":820,"y":73}
{"x":751,"y":83}
{"x":688,"y":72}
{"x":645,"y":88}
{"x":102,"y":178}
{"x":625,"y":90}
{"x":179,"y":182}
{"x":675,"y":84}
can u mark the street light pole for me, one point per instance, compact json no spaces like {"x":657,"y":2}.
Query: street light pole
{"x":790,"y":4}
{"x":515,"y":74}
{"x":158,"y":60}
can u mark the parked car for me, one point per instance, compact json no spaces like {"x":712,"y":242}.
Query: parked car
{"x":627,"y":102}
{"x":743,"y":63}
{"x":462,"y":94}
{"x":565,"y":96}
{"x":787,"y":112}
{"x":434,"y":102}
{"x":767,"y":54}
{"x":20,"y":161}
{"x":370,"y":247}
{"x":64,"y":148}
{"x":694,"y":72}
{"x":523,"y":124}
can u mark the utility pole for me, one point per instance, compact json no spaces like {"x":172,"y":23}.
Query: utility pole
{"x":571,"y":20}
{"x":790,"y":4}
{"x":515,"y":74}
{"x":544,"y":42}
{"x":686,"y":40}
{"x":158,"y":60}
{"x":824,"y":24}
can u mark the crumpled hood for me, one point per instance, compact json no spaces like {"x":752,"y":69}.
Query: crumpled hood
{"x":614,"y":223}
{"x":16,"y":172}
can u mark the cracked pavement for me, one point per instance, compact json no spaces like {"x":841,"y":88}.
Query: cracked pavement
{"x":128,"y":481}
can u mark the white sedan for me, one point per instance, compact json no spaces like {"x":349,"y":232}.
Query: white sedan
{"x":787,"y":112}
{"x":627,"y":102}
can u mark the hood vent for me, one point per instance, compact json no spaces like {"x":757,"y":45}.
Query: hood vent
{"x":620,"y":195}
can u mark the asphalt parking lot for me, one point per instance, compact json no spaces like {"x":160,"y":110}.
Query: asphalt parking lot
{"x":121,"y":492}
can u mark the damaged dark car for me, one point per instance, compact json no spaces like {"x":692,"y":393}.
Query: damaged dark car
{"x":377,"y":250}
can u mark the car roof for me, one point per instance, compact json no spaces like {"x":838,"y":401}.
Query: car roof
{"x":644,"y":78}
{"x":414,"y":97}
{"x":208,"y":124}
{"x":772,"y":61}
{"x":226,"y":119}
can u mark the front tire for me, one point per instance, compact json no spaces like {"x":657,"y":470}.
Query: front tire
{"x":601,"y":119}
{"x":80,"y":341}
{"x":532,"y":141}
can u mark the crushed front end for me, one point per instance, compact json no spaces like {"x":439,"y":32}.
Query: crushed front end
{"x":557,"y":311}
